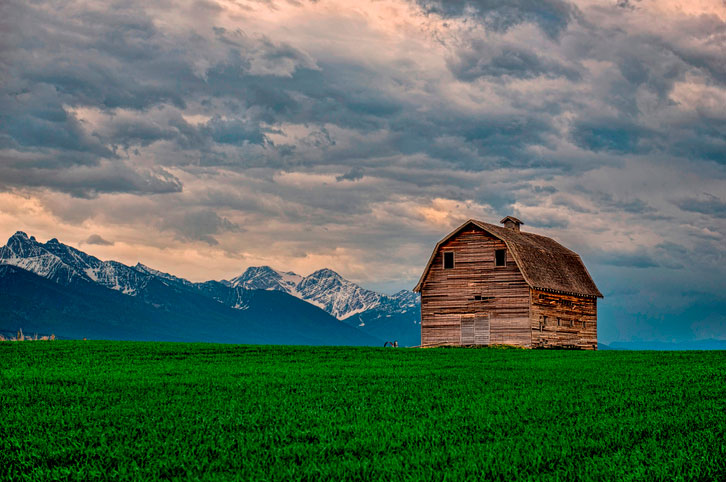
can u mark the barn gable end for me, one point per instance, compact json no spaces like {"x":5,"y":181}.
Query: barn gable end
{"x":477,"y":289}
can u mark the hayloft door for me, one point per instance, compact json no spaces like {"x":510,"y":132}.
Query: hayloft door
{"x":475,"y":329}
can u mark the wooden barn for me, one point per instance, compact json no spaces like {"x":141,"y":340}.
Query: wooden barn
{"x":489,"y":285}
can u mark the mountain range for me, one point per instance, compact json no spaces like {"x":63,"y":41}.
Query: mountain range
{"x":392,"y":317}
{"x":54,"y":288}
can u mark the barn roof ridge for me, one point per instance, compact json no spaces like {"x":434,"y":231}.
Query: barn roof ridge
{"x":544,"y":263}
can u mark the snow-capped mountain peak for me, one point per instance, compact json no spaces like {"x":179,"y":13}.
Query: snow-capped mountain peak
{"x":64,"y":264}
{"x":266,"y":278}
{"x":406,"y":298}
{"x":324,"y":288}
{"x":21,"y":245}
{"x":26,"y":253}
{"x":336,"y":295}
{"x":325,"y":273}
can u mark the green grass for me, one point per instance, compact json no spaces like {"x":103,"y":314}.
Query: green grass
{"x":138,"y":411}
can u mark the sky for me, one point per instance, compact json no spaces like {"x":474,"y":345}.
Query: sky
{"x":203,"y":137}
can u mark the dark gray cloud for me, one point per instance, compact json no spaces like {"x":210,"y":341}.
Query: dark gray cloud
{"x":629,"y":260}
{"x":616,"y":135}
{"x":482,"y":59}
{"x":354,"y":174}
{"x":98,"y":240}
{"x":32,"y":116}
{"x":705,"y":204}
{"x":235,"y":131}
{"x":552,"y":16}
{"x":85,"y":181}
{"x":623,"y":204}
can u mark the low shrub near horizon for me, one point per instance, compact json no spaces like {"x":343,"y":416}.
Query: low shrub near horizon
{"x":74,"y":410}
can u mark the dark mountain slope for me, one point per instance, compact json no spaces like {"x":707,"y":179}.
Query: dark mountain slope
{"x":77,"y":310}
{"x":163,"y":311}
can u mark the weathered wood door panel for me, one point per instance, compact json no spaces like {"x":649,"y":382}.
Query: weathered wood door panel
{"x":481,"y":329}
{"x":467,"y":329}
{"x":475,"y":329}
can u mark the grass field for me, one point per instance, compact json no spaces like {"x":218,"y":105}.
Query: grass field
{"x":137,"y":411}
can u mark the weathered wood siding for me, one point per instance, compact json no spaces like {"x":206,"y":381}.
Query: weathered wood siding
{"x":447,"y":295}
{"x":578,"y":320}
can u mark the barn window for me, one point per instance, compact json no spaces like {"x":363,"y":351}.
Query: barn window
{"x":500,"y":257}
{"x":558,"y":322}
{"x":584,"y":324}
{"x":544,"y":320}
{"x":449,"y":260}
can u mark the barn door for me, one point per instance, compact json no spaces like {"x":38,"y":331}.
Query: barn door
{"x":475,"y":329}
{"x":481,"y":329}
{"x":467,"y":329}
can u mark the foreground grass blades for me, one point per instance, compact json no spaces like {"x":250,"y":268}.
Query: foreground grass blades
{"x":136,"y":411}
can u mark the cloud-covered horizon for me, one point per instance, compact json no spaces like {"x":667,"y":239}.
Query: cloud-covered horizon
{"x":204,"y":137}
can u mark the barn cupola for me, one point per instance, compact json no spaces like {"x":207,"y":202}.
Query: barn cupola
{"x":511,"y":222}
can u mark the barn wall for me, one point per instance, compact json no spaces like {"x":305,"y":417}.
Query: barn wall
{"x":572,"y":311}
{"x":448,"y":294}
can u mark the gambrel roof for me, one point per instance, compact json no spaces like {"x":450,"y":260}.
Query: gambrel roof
{"x":544,"y":263}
